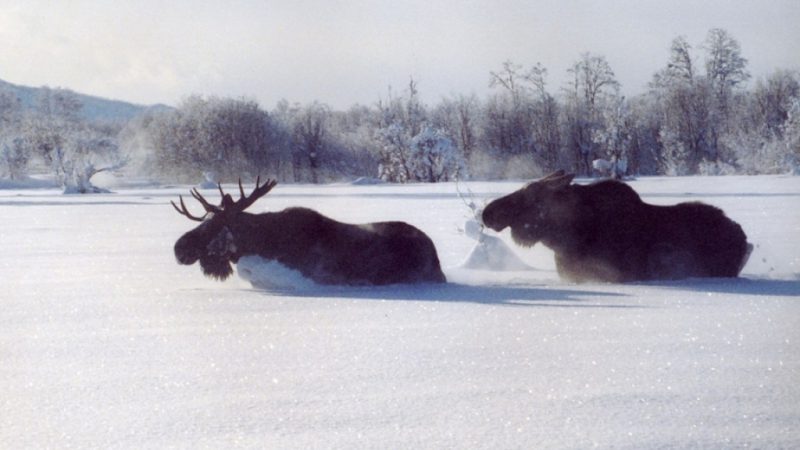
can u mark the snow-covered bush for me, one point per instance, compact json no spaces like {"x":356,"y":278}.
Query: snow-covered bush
{"x":715,"y":168}
{"x":14,"y":158}
{"x":766,"y":151}
{"x":434,"y":157}
{"x":675,"y":157}
{"x":84,"y":158}
{"x":394,"y":154}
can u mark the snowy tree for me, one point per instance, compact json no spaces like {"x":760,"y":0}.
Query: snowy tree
{"x":770,"y":152}
{"x":509,"y":118}
{"x":684,"y":101}
{"x":434,"y":157}
{"x":725,"y":66}
{"x":593,"y":85}
{"x":309,"y":132}
{"x":395,"y":154}
{"x":230,"y":137}
{"x":675,"y":157}
{"x":14,"y":158}
{"x":14,"y":153}
{"x":458,"y":118}
{"x":614,"y":139}
{"x":791,"y":138}
{"x":772,"y":99}
{"x":86,"y":154}
{"x":399,"y":120}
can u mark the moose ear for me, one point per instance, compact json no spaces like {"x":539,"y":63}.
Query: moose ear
{"x":559,"y":182}
{"x":556,"y":174}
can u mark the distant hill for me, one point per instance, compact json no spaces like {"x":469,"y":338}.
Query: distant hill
{"x":94,"y":108}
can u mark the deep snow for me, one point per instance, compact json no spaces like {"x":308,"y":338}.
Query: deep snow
{"x":105,"y":341}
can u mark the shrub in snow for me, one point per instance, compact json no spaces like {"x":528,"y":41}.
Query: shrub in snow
{"x":675,"y":158}
{"x":430,"y":156}
{"x":434,"y":157}
{"x":394,"y":154}
{"x":14,"y":159}
{"x":77,"y":178}
{"x":715,"y":168}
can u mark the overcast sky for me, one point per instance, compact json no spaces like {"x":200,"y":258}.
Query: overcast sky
{"x":347,"y":52}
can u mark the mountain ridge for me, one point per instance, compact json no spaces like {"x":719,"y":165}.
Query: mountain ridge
{"x":95,"y":108}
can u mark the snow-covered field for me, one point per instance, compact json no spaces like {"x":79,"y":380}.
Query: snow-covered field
{"x":106,"y":342}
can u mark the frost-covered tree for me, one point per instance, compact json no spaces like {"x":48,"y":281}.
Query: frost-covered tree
{"x":14,"y":158}
{"x":230,"y":137}
{"x":14,"y":154}
{"x":459,"y":118}
{"x":591,"y":88}
{"x":73,"y":148}
{"x":771,"y":101}
{"x":726,"y":68}
{"x":394,"y":153}
{"x":509,"y":121}
{"x":614,"y":138}
{"x":684,"y":101}
{"x":434,"y":157}
{"x":726,"y":72}
{"x":521,"y":129}
{"x":791,"y":138}
{"x":309,"y":134}
{"x":86,"y":155}
{"x":399,"y":120}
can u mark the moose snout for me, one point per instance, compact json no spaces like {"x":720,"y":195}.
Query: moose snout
{"x":495,"y":218}
{"x":186,"y":252}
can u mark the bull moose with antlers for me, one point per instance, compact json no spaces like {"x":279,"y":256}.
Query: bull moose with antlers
{"x":322,"y":249}
{"x":604,"y":231}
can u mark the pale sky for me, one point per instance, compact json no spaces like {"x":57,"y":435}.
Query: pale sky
{"x":347,"y":52}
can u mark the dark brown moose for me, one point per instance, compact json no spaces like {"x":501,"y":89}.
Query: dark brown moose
{"x":322,"y":249}
{"x":605,"y":232}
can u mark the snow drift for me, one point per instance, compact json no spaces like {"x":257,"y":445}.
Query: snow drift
{"x":106,"y":342}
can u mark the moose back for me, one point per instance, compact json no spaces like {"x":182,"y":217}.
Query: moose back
{"x":322,"y":249}
{"x":604,"y":231}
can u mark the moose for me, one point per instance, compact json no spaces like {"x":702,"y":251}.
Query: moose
{"x":605,"y":232}
{"x":322,"y":249}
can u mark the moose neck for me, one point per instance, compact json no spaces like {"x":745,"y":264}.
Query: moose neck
{"x":259,"y":234}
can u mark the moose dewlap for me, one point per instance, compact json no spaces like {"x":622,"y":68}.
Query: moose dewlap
{"x":604,"y":231}
{"x":322,"y":249}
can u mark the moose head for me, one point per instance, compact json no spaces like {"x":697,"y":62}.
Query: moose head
{"x":534,"y":212}
{"x":213,"y":242}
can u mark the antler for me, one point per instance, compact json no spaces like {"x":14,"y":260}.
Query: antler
{"x":227,"y":204}
{"x":183,"y":211}
{"x":244,"y":200}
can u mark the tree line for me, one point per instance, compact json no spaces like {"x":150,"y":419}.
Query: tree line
{"x":699,"y":115}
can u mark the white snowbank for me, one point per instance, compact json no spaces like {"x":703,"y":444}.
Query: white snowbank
{"x":490,"y":252}
{"x":271,"y":275}
{"x":106,"y":342}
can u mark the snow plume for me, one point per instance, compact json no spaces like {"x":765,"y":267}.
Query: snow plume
{"x":271,"y":275}
{"x":490,"y":252}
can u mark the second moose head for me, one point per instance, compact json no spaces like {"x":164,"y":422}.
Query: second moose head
{"x":322,"y":249}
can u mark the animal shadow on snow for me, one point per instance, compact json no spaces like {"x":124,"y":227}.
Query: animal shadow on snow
{"x":520,"y":296}
{"x":742,"y":286}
